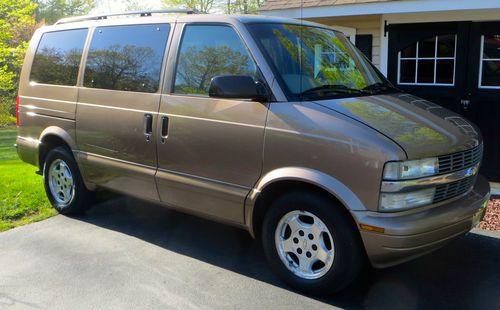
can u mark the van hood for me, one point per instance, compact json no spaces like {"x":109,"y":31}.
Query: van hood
{"x":422,"y":128}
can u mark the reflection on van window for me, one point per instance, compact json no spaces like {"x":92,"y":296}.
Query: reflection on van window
{"x":317,"y":63}
{"x":58,"y":56}
{"x":208,"y":51}
{"x":126,"y":58}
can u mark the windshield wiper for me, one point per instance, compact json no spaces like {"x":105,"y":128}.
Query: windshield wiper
{"x":380,"y":87}
{"x":342,"y":89}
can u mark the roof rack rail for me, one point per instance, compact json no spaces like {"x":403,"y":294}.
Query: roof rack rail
{"x":68,"y":20}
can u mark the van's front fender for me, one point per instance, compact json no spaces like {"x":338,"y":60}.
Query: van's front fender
{"x":307,"y":176}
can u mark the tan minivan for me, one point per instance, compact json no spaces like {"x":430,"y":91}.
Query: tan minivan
{"x":274,"y":125}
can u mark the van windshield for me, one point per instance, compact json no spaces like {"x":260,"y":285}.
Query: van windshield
{"x":317,"y":63}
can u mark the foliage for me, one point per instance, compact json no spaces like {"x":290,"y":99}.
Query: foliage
{"x":50,"y":11}
{"x":136,"y":5}
{"x":226,"y":6}
{"x":243,"y":6}
{"x":22,"y":197}
{"x":6,"y":114}
{"x":204,"y":6}
{"x":16,"y":27}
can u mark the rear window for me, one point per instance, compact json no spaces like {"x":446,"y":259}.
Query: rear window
{"x":126,"y":58}
{"x":57,"y":58}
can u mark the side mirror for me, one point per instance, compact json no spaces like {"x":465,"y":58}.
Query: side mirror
{"x":237,"y":87}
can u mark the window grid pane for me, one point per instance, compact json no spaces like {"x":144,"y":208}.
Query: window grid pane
{"x":489,"y":68}
{"x":430,"y":69}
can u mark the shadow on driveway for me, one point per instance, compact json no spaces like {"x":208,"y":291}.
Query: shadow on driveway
{"x":464,"y":274}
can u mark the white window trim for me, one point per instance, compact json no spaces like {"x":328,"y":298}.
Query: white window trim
{"x":435,"y":58}
{"x":481,"y":60}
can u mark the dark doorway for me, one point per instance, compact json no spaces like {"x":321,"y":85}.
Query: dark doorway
{"x":456,"y":65}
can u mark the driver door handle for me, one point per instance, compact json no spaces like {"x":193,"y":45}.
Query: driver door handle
{"x":148,"y":126}
{"x":164,"y":128}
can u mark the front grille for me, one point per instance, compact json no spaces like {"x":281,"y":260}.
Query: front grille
{"x":454,"y":189}
{"x":460,"y":160}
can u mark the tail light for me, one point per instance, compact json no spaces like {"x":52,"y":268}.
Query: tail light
{"x":18,"y":121}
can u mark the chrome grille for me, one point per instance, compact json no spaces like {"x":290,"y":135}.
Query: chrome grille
{"x":460,"y":160}
{"x":454,"y":189}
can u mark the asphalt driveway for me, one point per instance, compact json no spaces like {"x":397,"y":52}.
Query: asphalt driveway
{"x":129,"y":254}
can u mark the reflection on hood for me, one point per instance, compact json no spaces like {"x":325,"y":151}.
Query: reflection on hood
{"x":405,"y":130}
{"x":421,"y":128}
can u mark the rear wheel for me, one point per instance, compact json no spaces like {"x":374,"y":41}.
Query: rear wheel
{"x":63,"y":182}
{"x":310,"y":241}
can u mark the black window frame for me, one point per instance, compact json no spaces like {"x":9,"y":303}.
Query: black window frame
{"x":163,"y":63}
{"x":82,"y":56}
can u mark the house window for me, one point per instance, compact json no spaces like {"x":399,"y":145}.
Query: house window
{"x":428,"y":62}
{"x":489,"y":68}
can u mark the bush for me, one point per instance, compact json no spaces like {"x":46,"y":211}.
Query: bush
{"x":6,"y":113}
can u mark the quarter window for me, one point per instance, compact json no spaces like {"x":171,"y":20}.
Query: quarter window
{"x":489,"y":75}
{"x":57,"y":58}
{"x":127,"y":58}
{"x":207,"y":51}
{"x":428,"y":62}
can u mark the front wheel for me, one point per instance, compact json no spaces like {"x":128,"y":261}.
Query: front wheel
{"x":63,"y":182}
{"x":311,"y":242}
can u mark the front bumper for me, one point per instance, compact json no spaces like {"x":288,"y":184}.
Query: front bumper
{"x":410,"y":234}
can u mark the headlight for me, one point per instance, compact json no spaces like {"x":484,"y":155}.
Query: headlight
{"x":390,"y":202}
{"x":410,"y":169}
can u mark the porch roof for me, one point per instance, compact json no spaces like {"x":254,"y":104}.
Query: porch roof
{"x":271,"y":5}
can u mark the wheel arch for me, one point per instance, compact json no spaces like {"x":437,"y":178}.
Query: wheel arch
{"x":276,"y":182}
{"x":51,"y":137}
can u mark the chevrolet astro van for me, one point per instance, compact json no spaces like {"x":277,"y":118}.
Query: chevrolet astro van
{"x":278,"y":126}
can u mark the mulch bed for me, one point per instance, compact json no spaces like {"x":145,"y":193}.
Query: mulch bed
{"x":491,"y":220}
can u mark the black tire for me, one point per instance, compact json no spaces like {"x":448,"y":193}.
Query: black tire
{"x":348,"y":259}
{"x":81,"y":198}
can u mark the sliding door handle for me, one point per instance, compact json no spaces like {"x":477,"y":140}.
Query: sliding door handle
{"x":148,"y":126}
{"x":164,"y":128}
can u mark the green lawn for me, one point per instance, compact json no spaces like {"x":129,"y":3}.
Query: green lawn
{"x":22,"y":197}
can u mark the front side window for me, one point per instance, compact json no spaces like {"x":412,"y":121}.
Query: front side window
{"x":314,"y":62}
{"x":208,"y":51}
{"x":57,"y":58}
{"x":127,"y":58}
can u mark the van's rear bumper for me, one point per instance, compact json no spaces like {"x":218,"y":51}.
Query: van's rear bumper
{"x":411,"y":234}
{"x":27,"y":149}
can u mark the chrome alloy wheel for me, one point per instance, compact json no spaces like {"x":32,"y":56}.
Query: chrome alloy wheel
{"x":61,"y":183}
{"x":304,"y":244}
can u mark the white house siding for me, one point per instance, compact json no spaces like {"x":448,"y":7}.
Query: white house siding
{"x":366,"y":24}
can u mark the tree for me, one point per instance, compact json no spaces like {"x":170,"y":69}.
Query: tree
{"x":16,"y":27}
{"x":136,"y":5}
{"x":51,"y":11}
{"x":204,"y":6}
{"x":243,"y":6}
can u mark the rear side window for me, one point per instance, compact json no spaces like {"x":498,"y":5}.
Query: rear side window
{"x":126,"y":58}
{"x":57,"y":58}
{"x":207,"y":51}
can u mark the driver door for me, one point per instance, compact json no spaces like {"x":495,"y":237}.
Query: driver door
{"x":210,"y":150}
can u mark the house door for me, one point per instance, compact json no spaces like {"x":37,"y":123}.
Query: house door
{"x":456,"y":65}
